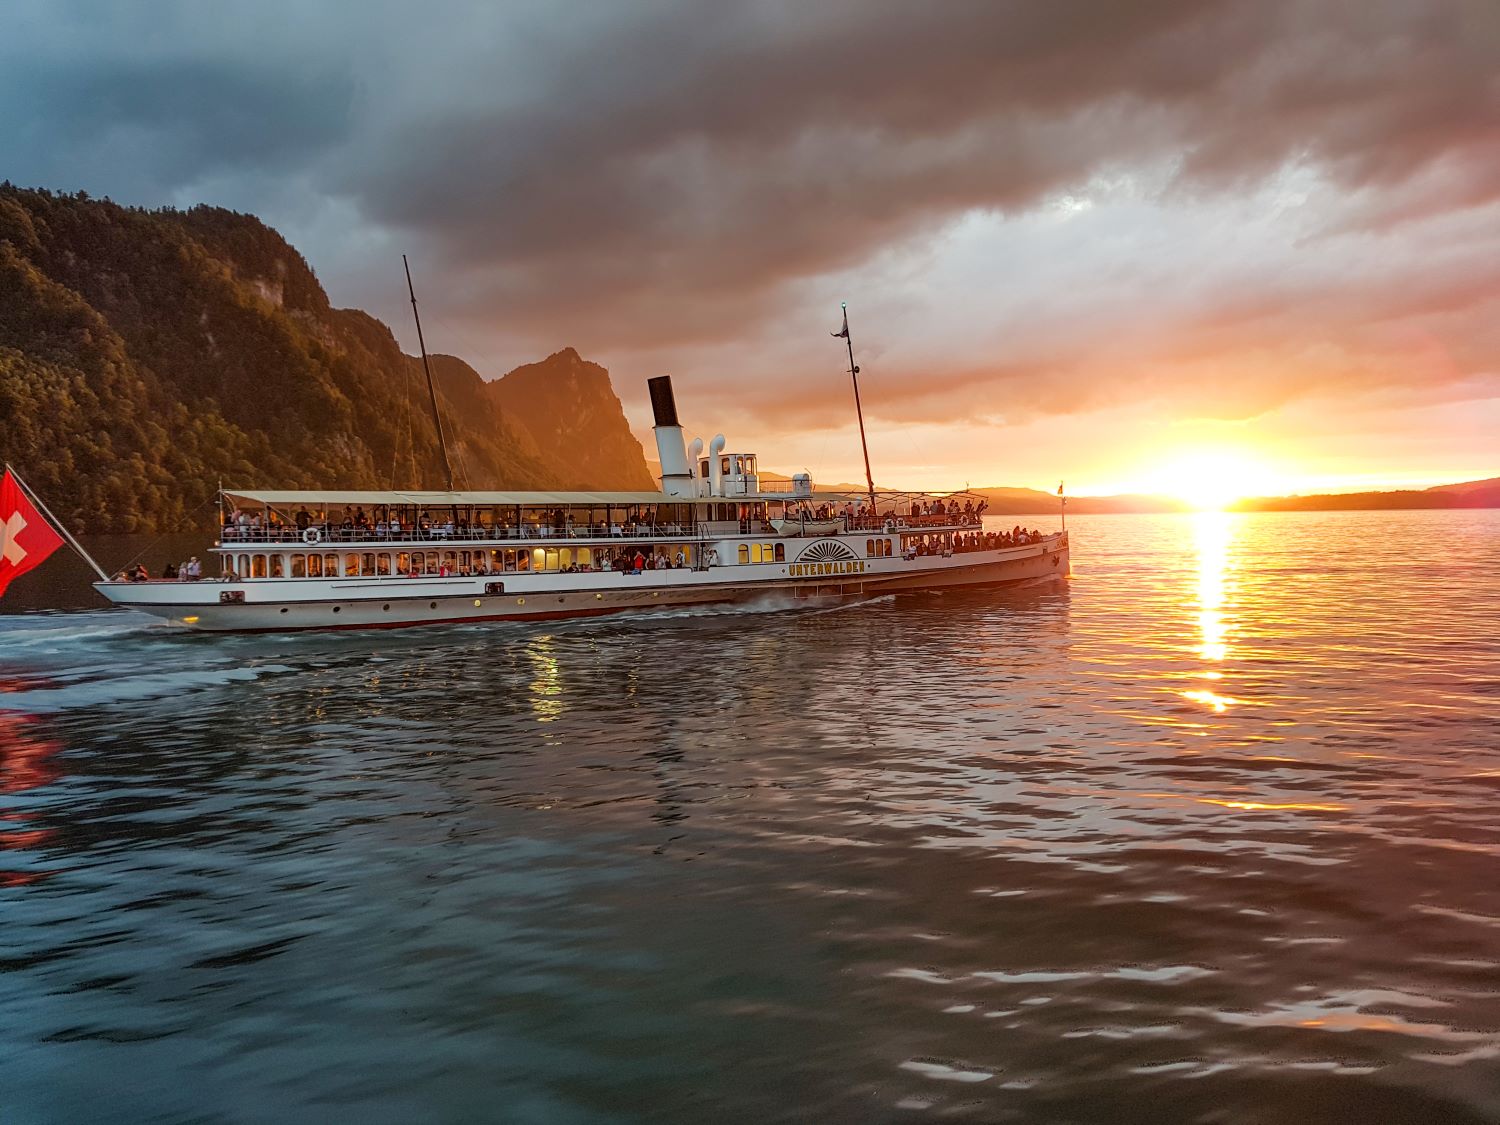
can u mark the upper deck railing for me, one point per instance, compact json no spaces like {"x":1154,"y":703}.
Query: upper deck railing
{"x":317,"y":534}
{"x":338,"y":534}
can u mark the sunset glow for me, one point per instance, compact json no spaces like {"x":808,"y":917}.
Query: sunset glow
{"x":1212,"y":479}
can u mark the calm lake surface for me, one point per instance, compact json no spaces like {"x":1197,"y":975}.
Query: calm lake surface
{"x":1212,"y":834}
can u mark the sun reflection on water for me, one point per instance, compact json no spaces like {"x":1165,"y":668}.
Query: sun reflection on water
{"x":1213,"y":533}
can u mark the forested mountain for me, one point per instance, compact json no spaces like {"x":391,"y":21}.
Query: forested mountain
{"x":147,"y":355}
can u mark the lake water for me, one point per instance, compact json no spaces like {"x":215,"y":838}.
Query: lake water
{"x":1209,"y":835}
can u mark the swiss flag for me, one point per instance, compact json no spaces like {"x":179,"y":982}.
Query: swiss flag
{"x":26,"y":539}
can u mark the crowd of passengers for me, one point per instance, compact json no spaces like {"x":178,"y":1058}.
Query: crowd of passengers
{"x":920,"y":511}
{"x":356,"y":524}
{"x":624,"y":561}
{"x":1017,"y":536}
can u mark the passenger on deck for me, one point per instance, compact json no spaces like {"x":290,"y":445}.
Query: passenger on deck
{"x":139,"y":574}
{"x":170,"y":570}
{"x":192,"y":570}
{"x":303,"y":519}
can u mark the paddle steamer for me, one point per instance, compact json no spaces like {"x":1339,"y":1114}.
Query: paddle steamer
{"x":715,"y":532}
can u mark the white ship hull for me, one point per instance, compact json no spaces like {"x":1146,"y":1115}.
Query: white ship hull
{"x":292,"y":604}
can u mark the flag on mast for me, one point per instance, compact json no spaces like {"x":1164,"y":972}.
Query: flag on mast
{"x":26,"y":539}
{"x":1059,"y":488}
{"x":843,"y":333}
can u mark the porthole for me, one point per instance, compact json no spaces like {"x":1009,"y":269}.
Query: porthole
{"x":283,"y":609}
{"x":598,"y":597}
{"x":520,"y":601}
{"x":559,"y":601}
{"x":335,"y":609}
{"x":432,"y":605}
{"x":386,"y":607}
{"x":477,"y":603}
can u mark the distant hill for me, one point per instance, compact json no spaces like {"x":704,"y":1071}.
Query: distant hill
{"x":1468,"y":494}
{"x":147,"y":355}
{"x":1004,"y":501}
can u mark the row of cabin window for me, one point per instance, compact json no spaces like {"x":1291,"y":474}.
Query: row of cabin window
{"x":375,"y":563}
{"x":762,"y":552}
{"x":877,"y":548}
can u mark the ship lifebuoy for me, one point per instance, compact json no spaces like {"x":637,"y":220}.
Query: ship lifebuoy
{"x":312,"y":535}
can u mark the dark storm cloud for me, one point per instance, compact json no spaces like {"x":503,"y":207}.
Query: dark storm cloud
{"x":672,"y":175}
{"x":667,"y":175}
{"x":157,"y":125}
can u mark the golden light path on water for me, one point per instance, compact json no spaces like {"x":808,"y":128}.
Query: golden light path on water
{"x":1213,"y":532}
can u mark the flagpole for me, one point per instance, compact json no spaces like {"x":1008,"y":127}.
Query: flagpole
{"x":858,"y":409}
{"x":1062,"y":505}
{"x":55,"y":522}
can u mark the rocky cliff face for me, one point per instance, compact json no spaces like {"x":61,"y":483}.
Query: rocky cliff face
{"x":147,"y":355}
{"x":568,"y":410}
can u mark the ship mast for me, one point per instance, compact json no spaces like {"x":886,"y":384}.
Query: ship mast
{"x":858,"y":410}
{"x":437,"y":419}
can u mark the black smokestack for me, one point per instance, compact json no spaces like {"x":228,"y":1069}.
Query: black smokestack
{"x":663,"y":405}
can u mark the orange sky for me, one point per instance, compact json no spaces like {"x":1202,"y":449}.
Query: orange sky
{"x":1117,"y":244}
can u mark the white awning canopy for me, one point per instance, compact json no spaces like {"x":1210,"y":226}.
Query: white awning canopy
{"x":336,"y":499}
{"x":333,"y":498}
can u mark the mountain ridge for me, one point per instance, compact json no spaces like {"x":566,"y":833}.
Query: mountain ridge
{"x":147,"y":355}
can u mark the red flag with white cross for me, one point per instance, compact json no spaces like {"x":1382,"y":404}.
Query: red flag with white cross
{"x":26,"y":539}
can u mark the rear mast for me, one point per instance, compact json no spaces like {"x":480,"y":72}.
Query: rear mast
{"x":437,"y":419}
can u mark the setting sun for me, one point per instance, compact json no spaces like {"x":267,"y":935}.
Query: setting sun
{"x":1212,"y":479}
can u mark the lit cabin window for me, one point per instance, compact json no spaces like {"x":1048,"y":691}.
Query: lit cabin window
{"x":744,"y":552}
{"x":724,"y":464}
{"x":276,"y":571}
{"x":750,"y":466}
{"x":257,"y":566}
{"x":887,"y":551}
{"x":538,"y":559}
{"x":299,"y":566}
{"x":330,"y":566}
{"x":382,"y":564}
{"x":367,"y":563}
{"x":244,"y":566}
{"x":351,"y":566}
{"x":585,"y":556}
{"x":781,"y":552}
{"x":869,"y":548}
{"x":403,"y":562}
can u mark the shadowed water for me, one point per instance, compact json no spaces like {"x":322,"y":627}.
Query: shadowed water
{"x":1209,"y":835}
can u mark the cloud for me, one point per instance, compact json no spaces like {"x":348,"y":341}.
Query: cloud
{"x":1036,"y":209}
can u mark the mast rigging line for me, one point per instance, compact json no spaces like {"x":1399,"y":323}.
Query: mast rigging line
{"x":437,"y":418}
